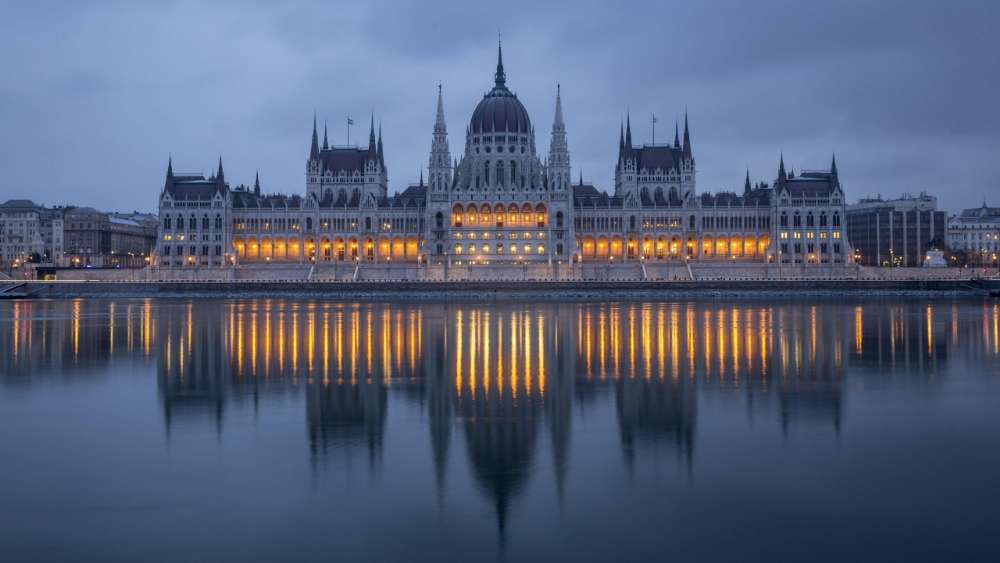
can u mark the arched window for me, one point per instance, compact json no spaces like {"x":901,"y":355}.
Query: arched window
{"x":809,"y":219}
{"x":166,"y":222}
{"x":659,"y":193}
{"x":796,"y":220}
{"x":204,"y":222}
{"x":783,"y":220}
{"x":559,"y":220}
{"x":673,"y":193}
{"x":836,"y":218}
{"x":486,"y":173}
{"x":218,"y":222}
{"x":193,"y":223}
{"x":690,"y":225}
{"x":822,"y":219}
{"x":513,"y":173}
{"x":500,"y":174}
{"x":645,"y":194}
{"x":439,"y":220}
{"x":631,"y":222}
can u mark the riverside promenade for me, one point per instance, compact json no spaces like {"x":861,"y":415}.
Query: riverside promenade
{"x":490,"y":290}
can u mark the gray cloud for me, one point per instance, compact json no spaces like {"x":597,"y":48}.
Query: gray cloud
{"x":96,"y":95}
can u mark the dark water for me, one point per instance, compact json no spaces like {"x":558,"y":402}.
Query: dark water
{"x":288,"y":430}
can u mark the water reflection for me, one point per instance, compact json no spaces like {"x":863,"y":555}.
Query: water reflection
{"x":503,"y":381}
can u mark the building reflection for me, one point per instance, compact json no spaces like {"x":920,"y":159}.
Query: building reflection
{"x":501,"y":382}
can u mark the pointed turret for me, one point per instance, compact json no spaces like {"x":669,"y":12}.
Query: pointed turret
{"x":781,"y":170}
{"x":559,"y":114}
{"x":687,"y":138}
{"x":500,"y":78}
{"x":833,"y":167}
{"x":326,"y":145}
{"x":677,"y":136}
{"x":746,"y":183}
{"x":439,"y":125}
{"x":439,"y":164}
{"x":628,"y":130}
{"x":381,"y":156}
{"x":314,"y":149}
{"x":421,"y":178}
{"x":558,"y":165}
{"x":371,"y":135}
{"x":220,"y":175}
{"x":256,"y":183}
{"x":169,"y":181}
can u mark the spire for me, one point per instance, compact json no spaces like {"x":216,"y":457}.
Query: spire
{"x":381,"y":158}
{"x":628,"y":130}
{"x":169,"y":182}
{"x":314,"y":149}
{"x":326,"y":145}
{"x":621,"y":137}
{"x":687,"y":138}
{"x":500,"y":77}
{"x":677,"y":136}
{"x":220,"y":175}
{"x":833,"y":166}
{"x":746,"y":183}
{"x":421,"y":177}
{"x":439,"y":126}
{"x":581,"y":176}
{"x":371,"y":134}
{"x":559,"y":115}
{"x":781,"y":170}
{"x":256,"y":183}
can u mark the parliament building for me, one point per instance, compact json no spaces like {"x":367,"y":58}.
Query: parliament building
{"x":500,"y":211}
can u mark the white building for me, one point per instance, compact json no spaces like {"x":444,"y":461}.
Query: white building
{"x":499,"y":204}
{"x":976,"y":231}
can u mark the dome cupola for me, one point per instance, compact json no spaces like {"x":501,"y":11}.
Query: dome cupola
{"x":500,"y":111}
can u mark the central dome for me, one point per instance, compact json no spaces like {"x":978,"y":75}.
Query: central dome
{"x":500,"y":111}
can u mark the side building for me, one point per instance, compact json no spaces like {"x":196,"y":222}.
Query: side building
{"x":976,"y":232}
{"x":27,"y":235}
{"x":895,"y":232}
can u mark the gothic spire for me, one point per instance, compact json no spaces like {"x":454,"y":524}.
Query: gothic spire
{"x":371,"y":134}
{"x":500,"y":77}
{"x":677,"y":136}
{"x":170,"y":166}
{"x":621,"y":137}
{"x":314,"y":149}
{"x":628,"y":130}
{"x":381,"y":156}
{"x":746,"y":183}
{"x":421,"y":177}
{"x":326,"y":145}
{"x":559,"y":114}
{"x":687,"y":138}
{"x":439,"y":126}
{"x":833,"y":166}
{"x":781,"y":170}
{"x":220,"y":175}
{"x":256,"y":183}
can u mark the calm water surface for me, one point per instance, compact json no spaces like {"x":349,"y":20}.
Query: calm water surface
{"x":288,"y":430}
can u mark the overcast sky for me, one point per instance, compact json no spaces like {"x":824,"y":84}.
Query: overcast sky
{"x":96,"y":95}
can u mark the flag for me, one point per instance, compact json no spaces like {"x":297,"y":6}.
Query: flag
{"x":350,"y":121}
{"x":654,"y":118}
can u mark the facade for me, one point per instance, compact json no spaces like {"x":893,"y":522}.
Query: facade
{"x":977,"y":233}
{"x":500,"y":204}
{"x":29,"y":233}
{"x":107,"y":240}
{"x":896,"y":232}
